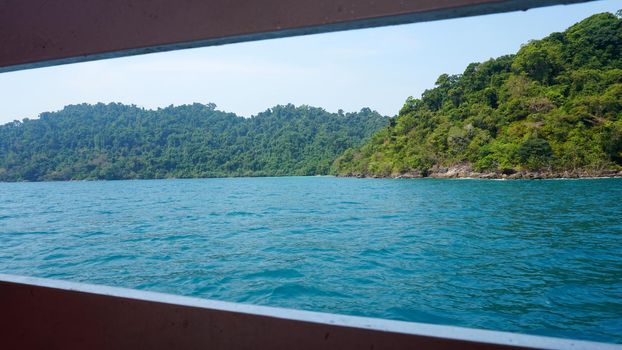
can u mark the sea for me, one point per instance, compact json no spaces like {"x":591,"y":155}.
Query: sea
{"x":539,"y":257}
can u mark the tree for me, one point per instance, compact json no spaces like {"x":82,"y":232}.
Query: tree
{"x":555,"y":105}
{"x":116,"y":141}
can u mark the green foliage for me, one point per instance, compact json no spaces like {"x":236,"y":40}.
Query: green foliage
{"x":116,"y":141}
{"x":534,"y":153}
{"x":556,"y":105}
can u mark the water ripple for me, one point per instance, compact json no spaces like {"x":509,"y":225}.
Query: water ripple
{"x":540,"y":257}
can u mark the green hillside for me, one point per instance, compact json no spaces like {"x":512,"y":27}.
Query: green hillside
{"x":554,"y":107}
{"x":116,"y":141}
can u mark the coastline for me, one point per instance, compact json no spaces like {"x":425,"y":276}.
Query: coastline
{"x":454,"y":172}
{"x":466,"y":172}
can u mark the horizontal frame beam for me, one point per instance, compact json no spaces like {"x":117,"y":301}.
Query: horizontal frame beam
{"x":39,"y":33}
{"x":43,"y":313}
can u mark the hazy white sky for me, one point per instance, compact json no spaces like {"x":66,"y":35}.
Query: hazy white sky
{"x":377,"y":68}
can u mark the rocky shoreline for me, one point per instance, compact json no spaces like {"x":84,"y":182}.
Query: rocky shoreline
{"x":467,"y":172}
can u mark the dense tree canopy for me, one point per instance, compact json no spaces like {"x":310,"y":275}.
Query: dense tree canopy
{"x":115,"y":141}
{"x":556,"y":105}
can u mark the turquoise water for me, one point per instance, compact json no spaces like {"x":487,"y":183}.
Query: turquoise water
{"x":538,"y":257}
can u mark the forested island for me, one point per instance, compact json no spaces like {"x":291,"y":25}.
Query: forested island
{"x":116,"y":141}
{"x":554,"y":109}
